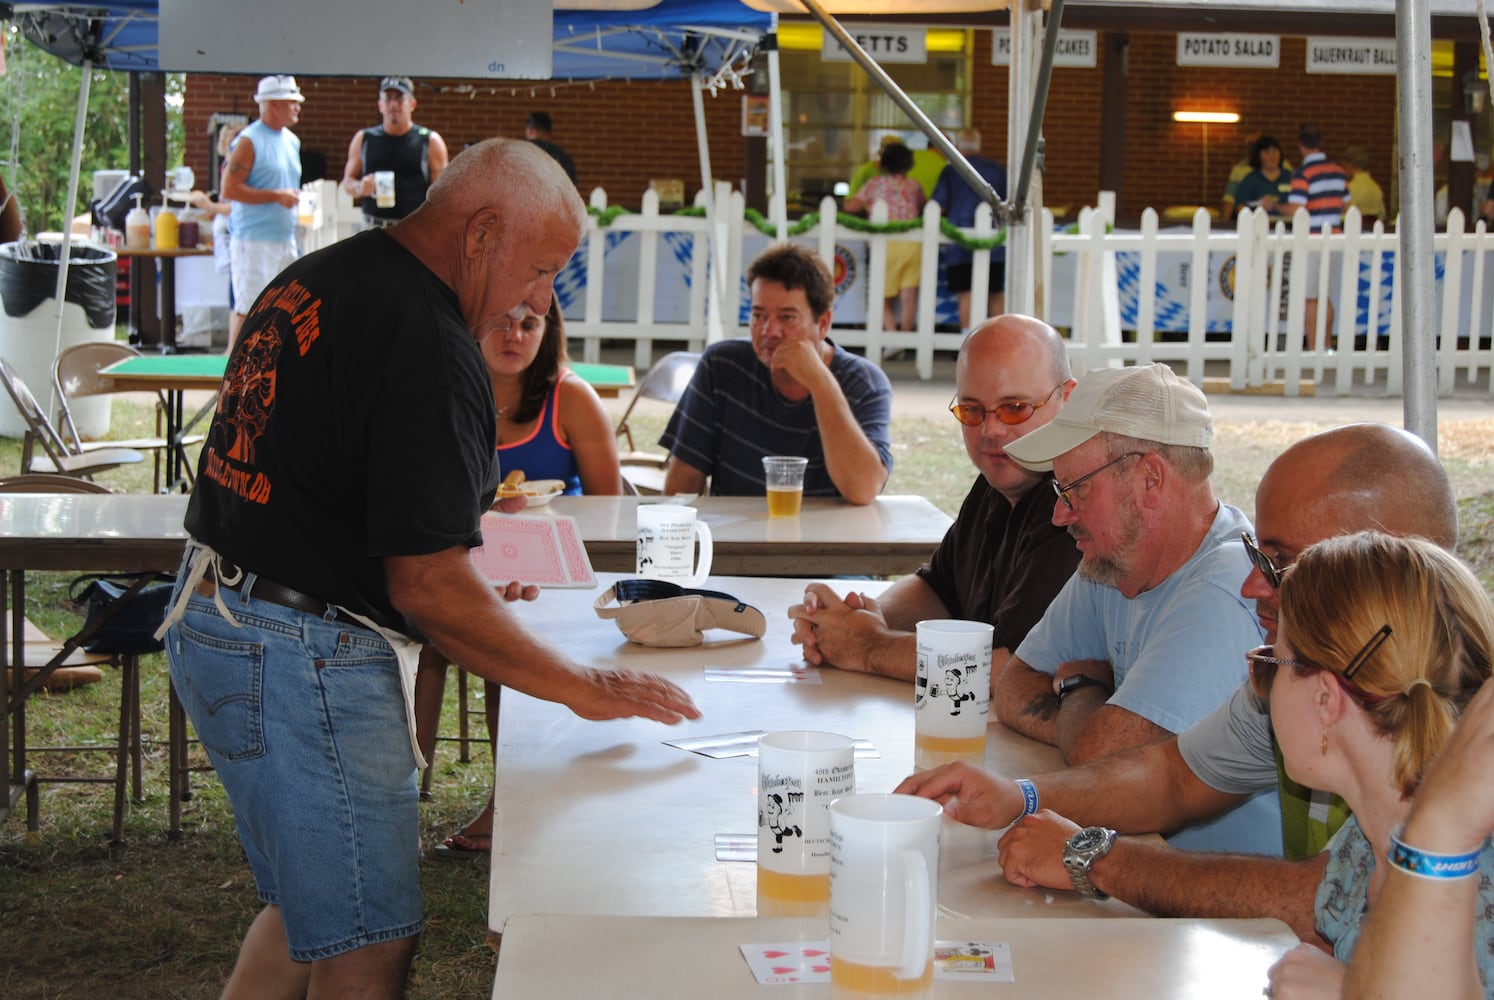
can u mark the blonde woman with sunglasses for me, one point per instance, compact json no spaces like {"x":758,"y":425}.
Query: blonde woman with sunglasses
{"x":1380,"y":643}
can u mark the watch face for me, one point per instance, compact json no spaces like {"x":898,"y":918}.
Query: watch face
{"x":1087,"y":839}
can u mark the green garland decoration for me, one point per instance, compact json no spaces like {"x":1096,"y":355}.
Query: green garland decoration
{"x":855,"y":223}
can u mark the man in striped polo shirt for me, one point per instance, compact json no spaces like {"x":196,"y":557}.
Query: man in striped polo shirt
{"x":1322,"y":187}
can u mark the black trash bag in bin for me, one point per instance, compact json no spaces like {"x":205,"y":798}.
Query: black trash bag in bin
{"x":28,"y":278}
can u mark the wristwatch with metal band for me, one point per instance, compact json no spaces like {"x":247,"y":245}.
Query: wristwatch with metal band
{"x":1074,"y":682}
{"x":1083,"y":850}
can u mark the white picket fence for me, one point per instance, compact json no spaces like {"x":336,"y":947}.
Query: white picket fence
{"x":1355,"y":267}
{"x":1080,"y":290}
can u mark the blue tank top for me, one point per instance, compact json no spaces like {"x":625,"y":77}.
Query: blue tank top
{"x":543,"y":455}
{"x":277,"y":164}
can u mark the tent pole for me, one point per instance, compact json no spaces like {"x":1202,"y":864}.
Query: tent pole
{"x":715,"y":280}
{"x":1021,"y":233}
{"x":67,"y":214}
{"x":778,"y":204}
{"x":1413,"y":29}
{"x":1039,"y":104}
{"x":702,"y":140}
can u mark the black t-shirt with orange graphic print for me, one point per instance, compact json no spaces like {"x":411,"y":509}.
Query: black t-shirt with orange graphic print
{"x":356,"y":422}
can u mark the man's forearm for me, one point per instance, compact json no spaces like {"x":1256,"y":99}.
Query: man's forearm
{"x":1172,"y":883}
{"x":1076,"y":709}
{"x":1025,"y":701}
{"x":851,"y":459}
{"x":1148,"y":789}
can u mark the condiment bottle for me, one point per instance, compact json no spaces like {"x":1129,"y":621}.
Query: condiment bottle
{"x":137,"y":227}
{"x":189,"y":231}
{"x":166,"y":228}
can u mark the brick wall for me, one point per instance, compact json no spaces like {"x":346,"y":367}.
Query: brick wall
{"x":622,"y":135}
{"x":1165,"y":159}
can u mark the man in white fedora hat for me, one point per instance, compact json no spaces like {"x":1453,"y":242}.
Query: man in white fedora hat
{"x":263,"y":180}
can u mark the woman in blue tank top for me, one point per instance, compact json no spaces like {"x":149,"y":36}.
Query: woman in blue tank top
{"x":552,"y":425}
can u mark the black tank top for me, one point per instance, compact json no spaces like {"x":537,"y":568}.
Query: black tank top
{"x":409,"y":157}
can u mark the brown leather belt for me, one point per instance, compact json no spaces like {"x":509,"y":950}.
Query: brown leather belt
{"x":268,"y":590}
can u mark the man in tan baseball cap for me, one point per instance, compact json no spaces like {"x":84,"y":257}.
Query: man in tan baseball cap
{"x":1150,"y":633}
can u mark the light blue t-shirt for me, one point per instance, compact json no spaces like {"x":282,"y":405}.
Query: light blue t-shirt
{"x":277,"y":164}
{"x":1177,"y":652}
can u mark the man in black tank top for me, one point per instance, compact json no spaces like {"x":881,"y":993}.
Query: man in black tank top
{"x":413,"y":153}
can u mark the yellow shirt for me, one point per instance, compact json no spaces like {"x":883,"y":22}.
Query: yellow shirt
{"x":1365,"y":195}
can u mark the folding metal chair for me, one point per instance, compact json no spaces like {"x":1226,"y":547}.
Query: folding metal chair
{"x":57,"y":457}
{"x":75,"y":375}
{"x":643,"y":471}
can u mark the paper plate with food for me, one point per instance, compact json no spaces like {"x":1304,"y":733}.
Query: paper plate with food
{"x":539,"y":491}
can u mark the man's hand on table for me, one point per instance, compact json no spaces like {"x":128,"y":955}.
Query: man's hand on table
{"x":969,"y":794}
{"x":622,"y":694}
{"x":1031,"y":852}
{"x":838,"y":632}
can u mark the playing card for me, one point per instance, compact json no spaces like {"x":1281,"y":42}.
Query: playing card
{"x":788,"y":673}
{"x":724,"y":745}
{"x":973,"y":961}
{"x":789,"y":962}
{"x":736,"y":846}
{"x":573,"y":551}
{"x":529,"y":549}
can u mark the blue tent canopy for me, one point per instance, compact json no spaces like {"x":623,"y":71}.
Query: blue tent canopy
{"x":672,"y":40}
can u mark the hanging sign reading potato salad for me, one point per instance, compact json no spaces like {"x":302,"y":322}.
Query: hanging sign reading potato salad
{"x":1242,"y":51}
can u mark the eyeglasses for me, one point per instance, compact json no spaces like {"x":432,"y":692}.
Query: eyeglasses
{"x":1262,"y":561}
{"x":1063,"y":491}
{"x":973,"y":414}
{"x":1263,"y":663}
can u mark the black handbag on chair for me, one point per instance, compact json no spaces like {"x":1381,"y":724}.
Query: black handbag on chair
{"x":122,"y":626}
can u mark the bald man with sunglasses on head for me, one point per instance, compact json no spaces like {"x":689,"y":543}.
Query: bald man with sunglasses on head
{"x":1003,"y":560}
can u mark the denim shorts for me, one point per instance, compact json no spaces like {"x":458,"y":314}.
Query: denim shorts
{"x":304,"y":722}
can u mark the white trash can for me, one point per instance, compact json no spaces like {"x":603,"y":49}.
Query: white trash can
{"x":28,"y":323}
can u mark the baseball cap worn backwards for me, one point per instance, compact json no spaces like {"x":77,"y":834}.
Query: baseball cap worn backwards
{"x":278,"y":88}
{"x":403,"y":84}
{"x":1146,"y":401}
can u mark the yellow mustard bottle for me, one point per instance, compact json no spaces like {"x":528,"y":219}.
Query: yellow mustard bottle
{"x":166,"y":229}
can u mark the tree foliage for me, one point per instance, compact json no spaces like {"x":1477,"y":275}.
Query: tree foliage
{"x":39,"y":101}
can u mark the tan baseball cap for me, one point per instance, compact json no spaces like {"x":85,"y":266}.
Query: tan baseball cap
{"x":1147,"y":402}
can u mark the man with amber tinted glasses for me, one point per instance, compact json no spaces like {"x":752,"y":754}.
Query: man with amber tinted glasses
{"x":1329,"y":484}
{"x":1003,"y":559}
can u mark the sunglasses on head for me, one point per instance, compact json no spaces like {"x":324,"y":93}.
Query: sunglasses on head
{"x":1263,"y":663}
{"x":974,"y":414}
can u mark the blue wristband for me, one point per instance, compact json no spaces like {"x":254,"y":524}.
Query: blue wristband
{"x":1029,"y":796}
{"x":1424,"y":864}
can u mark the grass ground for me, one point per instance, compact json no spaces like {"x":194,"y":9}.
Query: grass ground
{"x":161,"y":919}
